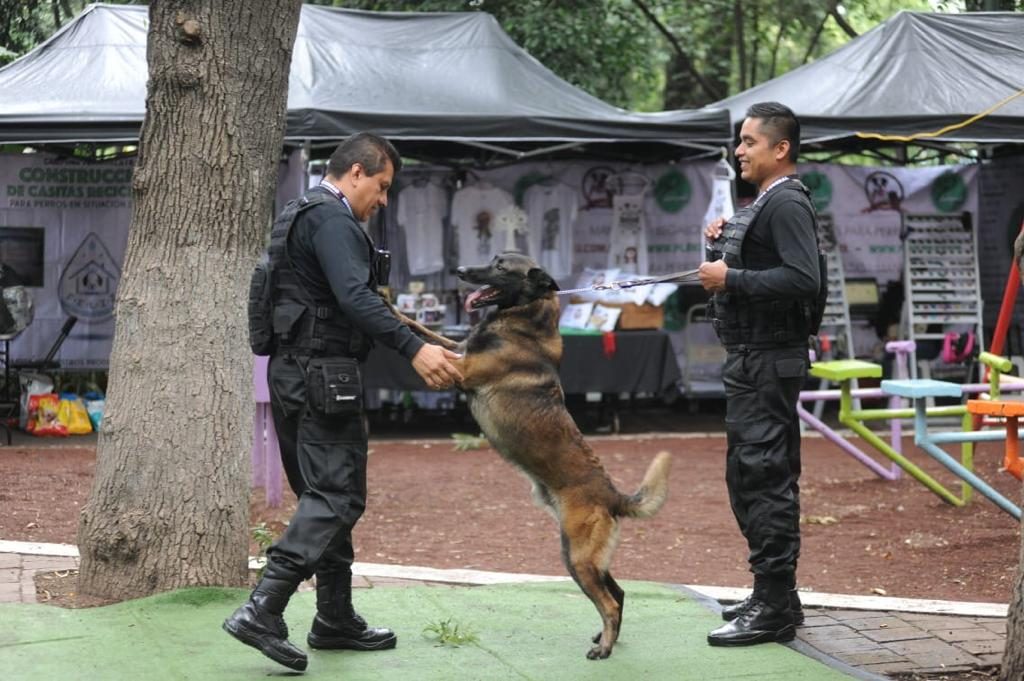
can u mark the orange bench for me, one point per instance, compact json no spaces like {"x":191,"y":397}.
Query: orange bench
{"x":1011,"y":411}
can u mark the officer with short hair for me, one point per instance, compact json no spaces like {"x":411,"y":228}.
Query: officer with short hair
{"x":327,"y":315}
{"x":766,"y":282}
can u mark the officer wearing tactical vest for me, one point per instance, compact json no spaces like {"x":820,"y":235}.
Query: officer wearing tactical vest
{"x":326,"y":316}
{"x":765,"y":274}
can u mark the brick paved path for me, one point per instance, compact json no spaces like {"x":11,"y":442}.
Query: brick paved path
{"x":886,"y":642}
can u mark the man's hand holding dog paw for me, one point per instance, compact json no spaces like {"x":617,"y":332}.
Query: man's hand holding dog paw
{"x":433,"y":364}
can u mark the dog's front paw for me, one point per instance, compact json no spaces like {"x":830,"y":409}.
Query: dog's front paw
{"x":598,"y":652}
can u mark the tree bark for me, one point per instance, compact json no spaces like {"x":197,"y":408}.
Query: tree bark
{"x":169,"y":505}
{"x":1012,"y":668}
{"x":1013,"y":656}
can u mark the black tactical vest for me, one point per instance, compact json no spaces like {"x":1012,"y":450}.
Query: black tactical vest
{"x":302,"y":324}
{"x":761,"y":323}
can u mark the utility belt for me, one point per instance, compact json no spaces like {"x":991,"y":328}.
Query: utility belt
{"x":761,"y":324}
{"x":317,"y":332}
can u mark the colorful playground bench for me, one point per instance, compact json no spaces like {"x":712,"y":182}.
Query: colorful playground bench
{"x":846,"y":372}
{"x":1011,"y":411}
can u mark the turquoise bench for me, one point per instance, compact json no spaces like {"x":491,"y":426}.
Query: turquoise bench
{"x":919,"y":391}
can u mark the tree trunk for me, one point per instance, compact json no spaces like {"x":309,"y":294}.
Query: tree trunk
{"x":169,"y":506}
{"x":681,"y":62}
{"x":775,"y":48}
{"x":741,"y":45}
{"x":1013,"y":656}
{"x":755,"y":43}
{"x":681,"y":89}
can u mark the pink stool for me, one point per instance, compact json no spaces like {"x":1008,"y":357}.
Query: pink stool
{"x":266,"y":454}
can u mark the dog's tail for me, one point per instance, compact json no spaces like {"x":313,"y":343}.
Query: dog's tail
{"x":647,"y":500}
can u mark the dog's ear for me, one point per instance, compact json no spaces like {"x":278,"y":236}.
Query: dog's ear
{"x":541,"y":279}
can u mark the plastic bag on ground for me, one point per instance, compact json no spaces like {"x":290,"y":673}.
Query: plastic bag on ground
{"x":43,"y":416}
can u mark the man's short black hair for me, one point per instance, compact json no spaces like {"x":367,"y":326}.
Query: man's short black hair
{"x":368,"y":150}
{"x":779,"y":121}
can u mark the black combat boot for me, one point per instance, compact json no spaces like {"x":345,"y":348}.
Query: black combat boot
{"x":259,"y":623}
{"x":731,"y":612}
{"x":766,"y":618}
{"x":336,"y":624}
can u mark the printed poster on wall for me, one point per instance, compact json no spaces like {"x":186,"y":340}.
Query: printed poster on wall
{"x":63,"y":232}
{"x":867,"y":204}
{"x":63,"y":229}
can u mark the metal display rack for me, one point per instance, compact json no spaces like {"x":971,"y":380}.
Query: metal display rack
{"x":942,"y":287}
{"x":835,"y":323}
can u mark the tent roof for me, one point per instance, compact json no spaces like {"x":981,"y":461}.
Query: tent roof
{"x":916,"y":72}
{"x":407,"y":75}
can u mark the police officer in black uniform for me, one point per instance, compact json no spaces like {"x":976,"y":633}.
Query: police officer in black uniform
{"x":766,"y":282}
{"x":326,"y":316}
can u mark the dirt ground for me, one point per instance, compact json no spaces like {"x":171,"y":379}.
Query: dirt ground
{"x":431,"y":505}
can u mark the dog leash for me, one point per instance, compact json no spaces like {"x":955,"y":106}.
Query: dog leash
{"x":686,"y":277}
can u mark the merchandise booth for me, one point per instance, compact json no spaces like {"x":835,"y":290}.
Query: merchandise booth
{"x":501,"y":154}
{"x":918,"y":250}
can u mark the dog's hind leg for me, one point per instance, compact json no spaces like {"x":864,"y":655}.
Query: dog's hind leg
{"x":588,"y":540}
{"x":620,"y":598}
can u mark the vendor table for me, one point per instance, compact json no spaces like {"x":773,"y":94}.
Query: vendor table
{"x":642,"y":362}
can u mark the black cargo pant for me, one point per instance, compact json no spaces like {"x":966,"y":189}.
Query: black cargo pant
{"x":325,"y":459}
{"x":763,"y":461}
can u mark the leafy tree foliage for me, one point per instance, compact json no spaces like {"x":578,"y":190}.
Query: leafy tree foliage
{"x":25,"y":23}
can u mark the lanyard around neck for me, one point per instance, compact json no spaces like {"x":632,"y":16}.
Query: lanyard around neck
{"x":341,"y":197}
{"x":324,"y":184}
{"x":770,"y":187}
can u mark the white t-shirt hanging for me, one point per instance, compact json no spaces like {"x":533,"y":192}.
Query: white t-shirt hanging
{"x":720,"y":205}
{"x":512,"y":227}
{"x":628,"y":243}
{"x":552,"y":213}
{"x":421,"y":211}
{"x":474,"y":216}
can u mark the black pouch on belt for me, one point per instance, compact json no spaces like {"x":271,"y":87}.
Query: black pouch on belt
{"x":333,"y":385}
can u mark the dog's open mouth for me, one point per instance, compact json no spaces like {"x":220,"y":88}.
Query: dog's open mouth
{"x":483,"y":296}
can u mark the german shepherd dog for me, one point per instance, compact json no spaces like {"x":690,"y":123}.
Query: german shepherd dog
{"x":509,"y":366}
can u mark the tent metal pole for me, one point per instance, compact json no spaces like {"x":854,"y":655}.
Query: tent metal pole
{"x":307,"y":147}
{"x":521,"y":154}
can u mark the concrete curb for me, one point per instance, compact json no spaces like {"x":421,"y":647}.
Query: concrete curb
{"x":717,"y":593}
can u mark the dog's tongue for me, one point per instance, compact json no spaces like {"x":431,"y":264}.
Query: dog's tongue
{"x":468,"y":305}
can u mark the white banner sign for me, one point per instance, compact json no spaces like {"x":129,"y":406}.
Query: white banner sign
{"x":63,"y":230}
{"x":867,"y":204}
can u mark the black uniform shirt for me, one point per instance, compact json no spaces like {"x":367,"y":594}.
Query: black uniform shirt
{"x":780,"y":251}
{"x":326,"y":238}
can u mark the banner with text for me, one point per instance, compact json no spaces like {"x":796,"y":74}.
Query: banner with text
{"x":63,"y":230}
